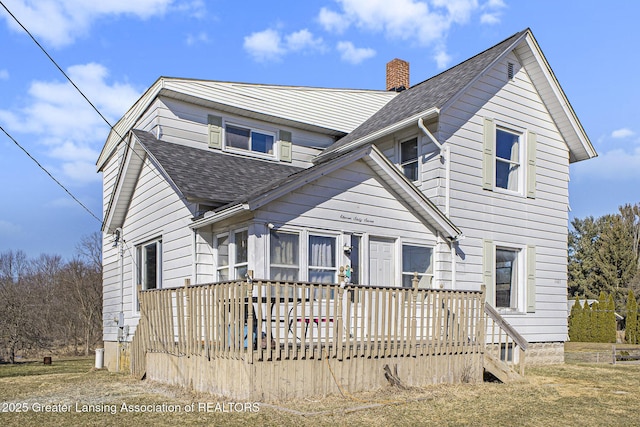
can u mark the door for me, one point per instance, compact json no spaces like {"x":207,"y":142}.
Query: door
{"x":381,"y":265}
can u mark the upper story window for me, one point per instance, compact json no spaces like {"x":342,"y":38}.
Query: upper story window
{"x":509,"y":159}
{"x":250,"y":140}
{"x":269,"y":144}
{"x":409,"y":158}
{"x":508,"y":168}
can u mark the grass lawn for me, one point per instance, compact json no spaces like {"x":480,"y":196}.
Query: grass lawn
{"x":559,"y":395}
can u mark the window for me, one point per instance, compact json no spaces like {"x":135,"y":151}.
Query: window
{"x":409,"y":158}
{"x":507,"y":160}
{"x":322,"y":259}
{"x":355,"y":259}
{"x":417,"y":259}
{"x":507,"y":278}
{"x":250,"y":140}
{"x":233,"y":255}
{"x":223,"y":257}
{"x":149,"y":264}
{"x":283,"y":257}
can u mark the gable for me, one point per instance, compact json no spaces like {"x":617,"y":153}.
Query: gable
{"x":437,"y":94}
{"x":385,"y":173}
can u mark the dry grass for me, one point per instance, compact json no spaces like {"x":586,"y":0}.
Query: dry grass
{"x":571,"y":394}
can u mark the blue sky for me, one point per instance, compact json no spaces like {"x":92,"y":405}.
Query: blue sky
{"x":115,"y":49}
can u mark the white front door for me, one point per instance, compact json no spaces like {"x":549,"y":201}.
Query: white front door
{"x":381,"y":271}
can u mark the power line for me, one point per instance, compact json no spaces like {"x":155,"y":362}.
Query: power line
{"x":48,"y":173}
{"x":60,"y":69}
{"x":121,"y":138}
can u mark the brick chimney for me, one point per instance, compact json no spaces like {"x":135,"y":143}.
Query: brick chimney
{"x":397,"y":75}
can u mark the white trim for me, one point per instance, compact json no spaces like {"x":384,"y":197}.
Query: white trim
{"x":427,"y":114}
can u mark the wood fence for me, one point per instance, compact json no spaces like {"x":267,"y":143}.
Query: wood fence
{"x":261,"y":320}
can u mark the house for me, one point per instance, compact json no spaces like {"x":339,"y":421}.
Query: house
{"x":456,"y":184}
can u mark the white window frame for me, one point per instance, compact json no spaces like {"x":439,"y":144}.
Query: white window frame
{"x":300,"y":236}
{"x":519,"y":164}
{"x":402,"y":163}
{"x":141,"y":270}
{"x":336,"y":255}
{"x":518,"y":300}
{"x":251,"y":130}
{"x":232,"y":253}
{"x":429,"y":276}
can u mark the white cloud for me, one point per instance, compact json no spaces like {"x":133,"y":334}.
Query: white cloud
{"x":60,"y":22}
{"x":333,"y":22}
{"x":492,"y":12}
{"x":264,"y":45}
{"x":352,"y":54}
{"x":425,"y":22}
{"x":268,"y":45}
{"x":65,"y":123}
{"x":615,"y":165}
{"x":302,"y":40}
{"x":201,"y":37}
{"x":622,"y":133}
{"x":443,"y":59}
{"x":4,"y":75}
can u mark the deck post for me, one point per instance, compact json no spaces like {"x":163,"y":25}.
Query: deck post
{"x":249,"y":300}
{"x":338,"y":341}
{"x":414,"y":305}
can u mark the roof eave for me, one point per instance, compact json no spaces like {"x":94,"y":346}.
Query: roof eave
{"x":427,"y":114}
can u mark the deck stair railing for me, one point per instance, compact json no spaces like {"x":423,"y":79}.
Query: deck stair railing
{"x":505,"y":348}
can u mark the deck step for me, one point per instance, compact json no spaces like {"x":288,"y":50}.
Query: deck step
{"x":500,"y":370}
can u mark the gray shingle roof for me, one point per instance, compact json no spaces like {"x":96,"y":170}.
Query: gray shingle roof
{"x":212,"y":176}
{"x":434,"y":92}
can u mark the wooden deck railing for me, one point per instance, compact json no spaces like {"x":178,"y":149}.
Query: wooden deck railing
{"x":503,"y":341}
{"x":263,"y":320}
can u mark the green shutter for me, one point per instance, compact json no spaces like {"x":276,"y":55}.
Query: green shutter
{"x":215,"y":131}
{"x":488,"y":266}
{"x":488,"y":161}
{"x":531,"y":279}
{"x":285,"y":145}
{"x":531,"y":164}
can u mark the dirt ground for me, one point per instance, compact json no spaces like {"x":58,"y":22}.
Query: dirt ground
{"x":70,"y":392}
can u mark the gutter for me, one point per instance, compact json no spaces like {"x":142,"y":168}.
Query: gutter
{"x":432,"y":112}
{"x":212,"y":217}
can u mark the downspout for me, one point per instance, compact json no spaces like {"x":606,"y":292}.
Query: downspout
{"x":445,"y":154}
{"x":119,"y":243}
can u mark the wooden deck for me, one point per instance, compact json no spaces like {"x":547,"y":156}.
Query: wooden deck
{"x":271,"y":340}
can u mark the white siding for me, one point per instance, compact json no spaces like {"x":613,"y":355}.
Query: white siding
{"x":156,"y":211}
{"x":186,"y":124}
{"x":349,"y":200}
{"x":511,"y":219}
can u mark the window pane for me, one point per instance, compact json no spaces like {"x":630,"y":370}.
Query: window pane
{"x":416,"y":258}
{"x":262,"y":143}
{"x":237,"y":137}
{"x":223,"y":274}
{"x":241,"y":246}
{"x":223,"y":251}
{"x":355,"y":259}
{"x":321,"y":276}
{"x":241,"y":272}
{"x":410,"y":170}
{"x":507,"y":145}
{"x":424,"y":282}
{"x":322,"y":251}
{"x":409,"y":150}
{"x":151,"y":266}
{"x":506,"y":278}
{"x":284,"y":274}
{"x":284,"y":248}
